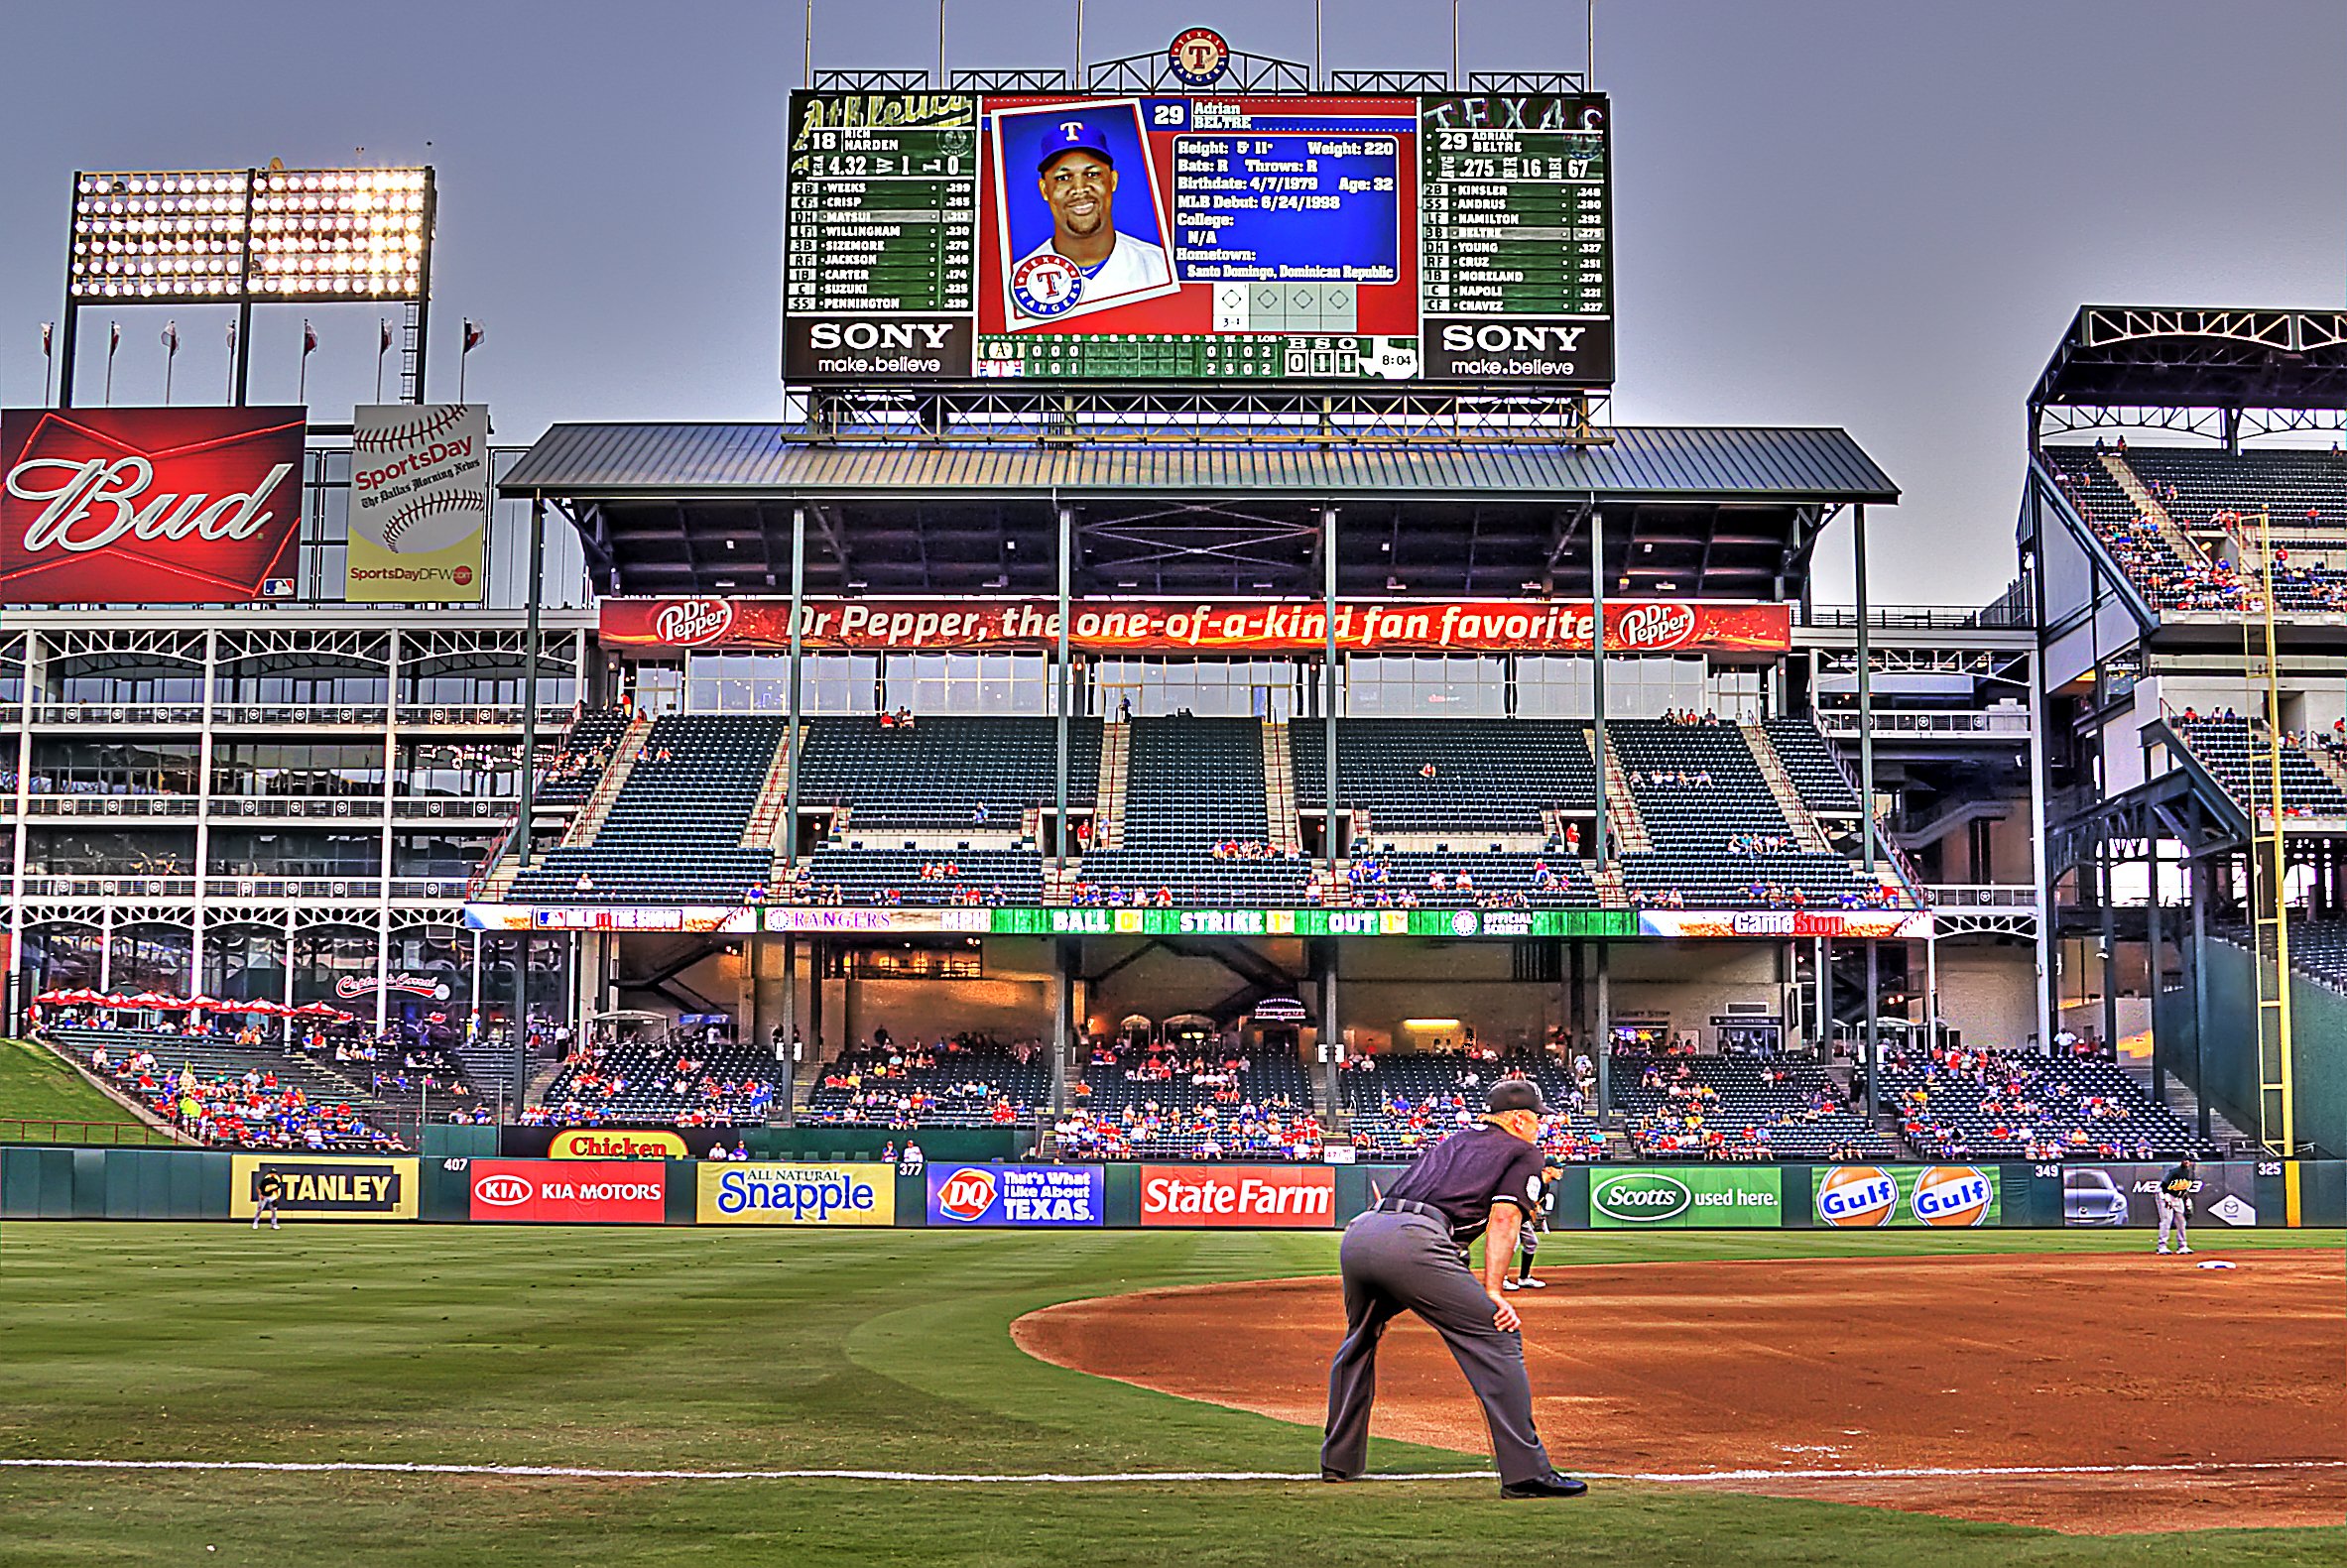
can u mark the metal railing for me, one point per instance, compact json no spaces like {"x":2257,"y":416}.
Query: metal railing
{"x":499,"y":715}
{"x":450,"y":887}
{"x":113,"y":1134}
{"x":1844,"y":721}
{"x":44,"y":803}
{"x":412,"y":715}
{"x":1998,"y":617}
{"x":1981,"y":895}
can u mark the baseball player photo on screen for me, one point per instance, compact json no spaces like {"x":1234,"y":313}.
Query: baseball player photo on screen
{"x":1080,"y":217}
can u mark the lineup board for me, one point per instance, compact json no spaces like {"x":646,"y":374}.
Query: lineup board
{"x":1462,"y":238}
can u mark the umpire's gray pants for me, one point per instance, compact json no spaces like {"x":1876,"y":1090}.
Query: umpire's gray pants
{"x":1394,"y":1262}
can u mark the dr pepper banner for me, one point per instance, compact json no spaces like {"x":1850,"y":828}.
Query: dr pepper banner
{"x":148,"y":506}
{"x":1466,"y":626}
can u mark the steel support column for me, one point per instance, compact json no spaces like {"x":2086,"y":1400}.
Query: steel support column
{"x":1059,"y":1046}
{"x":1602,"y":839}
{"x":1865,"y":716}
{"x":1331,"y":1030}
{"x":1603,"y":1050}
{"x":2153,"y":965}
{"x":1329,"y":699}
{"x":2108,"y":932}
{"x":2201,"y":892}
{"x":1867,"y":1050}
{"x":1063,"y":688}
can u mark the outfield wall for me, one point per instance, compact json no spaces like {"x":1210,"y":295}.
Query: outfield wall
{"x":490,"y":1189}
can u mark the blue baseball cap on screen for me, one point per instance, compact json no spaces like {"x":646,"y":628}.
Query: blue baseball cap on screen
{"x":1072,"y":136}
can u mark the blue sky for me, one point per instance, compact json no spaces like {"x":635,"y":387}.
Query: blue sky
{"x":1851,"y":213}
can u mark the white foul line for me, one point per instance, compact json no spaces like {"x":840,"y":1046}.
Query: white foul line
{"x":1150,"y":1477}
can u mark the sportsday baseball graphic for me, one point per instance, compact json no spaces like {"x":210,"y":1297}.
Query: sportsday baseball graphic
{"x":418,"y":502}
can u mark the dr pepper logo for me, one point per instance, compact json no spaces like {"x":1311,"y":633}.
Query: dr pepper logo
{"x":1642,"y":626}
{"x":966,"y":1194}
{"x":147,"y":506}
{"x":694,"y":621}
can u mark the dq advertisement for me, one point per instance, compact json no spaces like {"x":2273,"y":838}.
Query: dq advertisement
{"x":419,"y":503}
{"x":149,"y":506}
{"x":1239,"y":1197}
{"x":324,"y":1187}
{"x":2125,"y":1193}
{"x":1016,"y":1195}
{"x":1491,"y":626}
{"x":570,"y":1192}
{"x":1694,"y":1197}
{"x":1862,"y":1196}
{"x":780,"y":1194}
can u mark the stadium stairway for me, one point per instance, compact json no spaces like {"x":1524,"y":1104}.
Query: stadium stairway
{"x":765,"y":828}
{"x":1627,"y":827}
{"x":1279,"y":788}
{"x":1108,"y":813}
{"x":2185,"y":1103}
{"x":589,"y":821}
{"x":1806,"y":830}
{"x":2147,"y":504}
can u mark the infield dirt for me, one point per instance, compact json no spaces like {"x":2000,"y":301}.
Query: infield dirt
{"x":1969,"y":1363}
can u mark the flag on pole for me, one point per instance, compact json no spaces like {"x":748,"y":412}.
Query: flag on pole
{"x":309,"y":338}
{"x":232,"y":337}
{"x":171,"y":338}
{"x":48,"y":331}
{"x":473,"y":333}
{"x":113,"y":337}
{"x":384,"y":346}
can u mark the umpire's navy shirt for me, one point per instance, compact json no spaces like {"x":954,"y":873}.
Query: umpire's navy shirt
{"x":1469,"y":1172}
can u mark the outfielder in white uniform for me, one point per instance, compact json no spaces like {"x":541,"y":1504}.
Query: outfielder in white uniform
{"x":2176,"y":1204}
{"x":1078,"y":182}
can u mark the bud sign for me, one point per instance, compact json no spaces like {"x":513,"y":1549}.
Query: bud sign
{"x":147,"y":506}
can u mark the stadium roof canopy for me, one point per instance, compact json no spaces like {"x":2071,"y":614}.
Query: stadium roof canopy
{"x":2195,"y":357}
{"x":695,"y":509}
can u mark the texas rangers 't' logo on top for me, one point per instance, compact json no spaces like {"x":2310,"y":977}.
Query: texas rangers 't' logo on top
{"x":1047,"y":285}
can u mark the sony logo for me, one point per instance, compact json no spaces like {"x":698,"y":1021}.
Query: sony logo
{"x":930,"y":336}
{"x":1492,"y":337}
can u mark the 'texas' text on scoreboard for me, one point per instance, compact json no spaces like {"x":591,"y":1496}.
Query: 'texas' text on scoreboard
{"x":1439,"y":238}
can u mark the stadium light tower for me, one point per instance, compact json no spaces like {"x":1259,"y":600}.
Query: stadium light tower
{"x":247,"y":237}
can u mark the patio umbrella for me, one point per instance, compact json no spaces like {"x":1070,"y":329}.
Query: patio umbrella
{"x":312,"y":1010}
{"x":115,"y":1002}
{"x":202,"y":1004}
{"x":155,"y":998}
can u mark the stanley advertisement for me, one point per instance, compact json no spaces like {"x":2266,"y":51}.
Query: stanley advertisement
{"x":325,"y":1187}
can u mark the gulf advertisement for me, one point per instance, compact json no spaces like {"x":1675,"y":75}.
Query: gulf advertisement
{"x":325,"y":1186}
{"x":149,"y":506}
{"x":1857,"y":1197}
{"x":2126,"y":1194}
{"x":1016,"y":1195}
{"x":1687,"y":1197}
{"x":1464,"y":626}
{"x":1238,"y":1197}
{"x":568,"y":1191}
{"x":418,"y":504}
{"x":772,"y":1193}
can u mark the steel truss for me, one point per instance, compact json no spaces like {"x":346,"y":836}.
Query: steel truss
{"x":1947,"y":922}
{"x":1154,"y":72}
{"x":1092,"y":415}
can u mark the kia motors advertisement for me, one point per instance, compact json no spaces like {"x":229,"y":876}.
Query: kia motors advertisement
{"x":1016,"y":1195}
{"x":570,"y":1191}
{"x":1687,"y":1197}
{"x":916,"y":626}
{"x":2125,"y":1193}
{"x":1239,"y":1197}
{"x":1862,"y":1196}
{"x":148,"y":506}
{"x":773,"y":1193}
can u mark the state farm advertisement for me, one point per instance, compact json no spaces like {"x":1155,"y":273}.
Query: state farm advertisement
{"x":570,"y":1191}
{"x":419,"y":503}
{"x":149,"y":506}
{"x":1239,"y":1197}
{"x":1481,"y":626}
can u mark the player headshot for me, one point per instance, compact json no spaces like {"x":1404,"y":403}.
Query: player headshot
{"x":1087,"y":260}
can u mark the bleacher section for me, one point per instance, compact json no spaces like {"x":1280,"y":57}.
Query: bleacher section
{"x":1192,"y":783}
{"x":1739,"y":1108}
{"x":1703,"y":828}
{"x":570,"y":777}
{"x":894,"y":877}
{"x":1402,"y":1104}
{"x":1987,"y":1105}
{"x":1179,"y":1106}
{"x":348,"y":1116}
{"x":637,"y":1082}
{"x":967,"y":1083}
{"x":2318,"y":948}
{"x":673,"y":832}
{"x":1520,"y":881}
{"x":1810,"y":763}
{"x":2142,"y":549}
{"x":938,"y":775}
{"x":1491,"y":775}
{"x":2236,"y":756}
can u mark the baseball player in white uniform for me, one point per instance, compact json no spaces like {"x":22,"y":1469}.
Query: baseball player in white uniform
{"x":1078,"y":181}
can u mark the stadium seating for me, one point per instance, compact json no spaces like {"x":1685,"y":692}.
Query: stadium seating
{"x":673,"y":832}
{"x":1810,"y":762}
{"x":637,"y":1082}
{"x":1996,"y":1105}
{"x":252,"y":1096}
{"x":570,"y":777}
{"x":966,"y":1082}
{"x":1400,"y":879}
{"x":943,"y":774}
{"x":1680,"y":1105}
{"x":2237,"y":755}
{"x":1192,"y":783}
{"x":860,"y":877}
{"x":1141,"y":1105}
{"x":1403,"y":1104}
{"x":1491,"y":775}
{"x":2317,"y":948}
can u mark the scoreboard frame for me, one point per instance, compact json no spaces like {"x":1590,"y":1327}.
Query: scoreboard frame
{"x":919,"y":193}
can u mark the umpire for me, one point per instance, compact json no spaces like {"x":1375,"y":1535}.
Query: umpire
{"x":1409,"y":1253}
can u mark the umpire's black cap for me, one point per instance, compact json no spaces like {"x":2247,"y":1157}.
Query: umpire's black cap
{"x":1516,"y":1094}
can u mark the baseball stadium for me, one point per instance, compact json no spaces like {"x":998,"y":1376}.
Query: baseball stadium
{"x":1192,"y":912}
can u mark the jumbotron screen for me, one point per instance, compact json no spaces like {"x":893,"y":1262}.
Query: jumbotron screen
{"x":1442,"y":238}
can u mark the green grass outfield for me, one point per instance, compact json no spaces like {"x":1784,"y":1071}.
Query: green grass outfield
{"x":735,"y":1349}
{"x":35,"y":1086}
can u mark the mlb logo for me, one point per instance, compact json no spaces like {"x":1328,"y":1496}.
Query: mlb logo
{"x":276,"y":587}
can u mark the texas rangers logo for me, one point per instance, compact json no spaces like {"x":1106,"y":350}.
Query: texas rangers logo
{"x":1199,"y":56}
{"x":1047,"y":285}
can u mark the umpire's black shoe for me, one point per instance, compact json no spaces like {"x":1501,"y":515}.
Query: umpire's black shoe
{"x":1337,"y":1476}
{"x":1551,"y":1485}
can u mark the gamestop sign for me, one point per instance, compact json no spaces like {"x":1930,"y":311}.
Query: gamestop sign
{"x":148,"y":506}
{"x":570,"y":1192}
{"x":1239,"y":1197}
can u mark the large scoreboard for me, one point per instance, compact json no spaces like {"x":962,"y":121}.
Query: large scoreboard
{"x":1441,"y":238}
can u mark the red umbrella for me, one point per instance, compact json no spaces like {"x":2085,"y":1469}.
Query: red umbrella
{"x":115,"y":1001}
{"x":261,"y":1006}
{"x":341,"y":1017}
{"x":156,"y":999}
{"x":203,"y":1004}
{"x":53,"y":998}
{"x":312,"y":1010}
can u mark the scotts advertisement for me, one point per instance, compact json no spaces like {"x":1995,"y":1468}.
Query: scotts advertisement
{"x":148,"y":506}
{"x":324,"y":1187}
{"x":1694,"y":1197}
{"x":1016,"y":1195}
{"x":2126,"y":1193}
{"x":419,"y":503}
{"x":759,"y":1193}
{"x":1861,"y":1196}
{"x":570,"y":1192}
{"x":1495,"y":626}
{"x":1251,"y":1197}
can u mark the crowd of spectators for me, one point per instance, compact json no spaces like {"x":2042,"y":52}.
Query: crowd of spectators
{"x":880,"y":1085}
{"x":594,"y":1080}
{"x":1275,"y":1129}
{"x":247,"y":1111}
{"x":2025,"y":1101}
